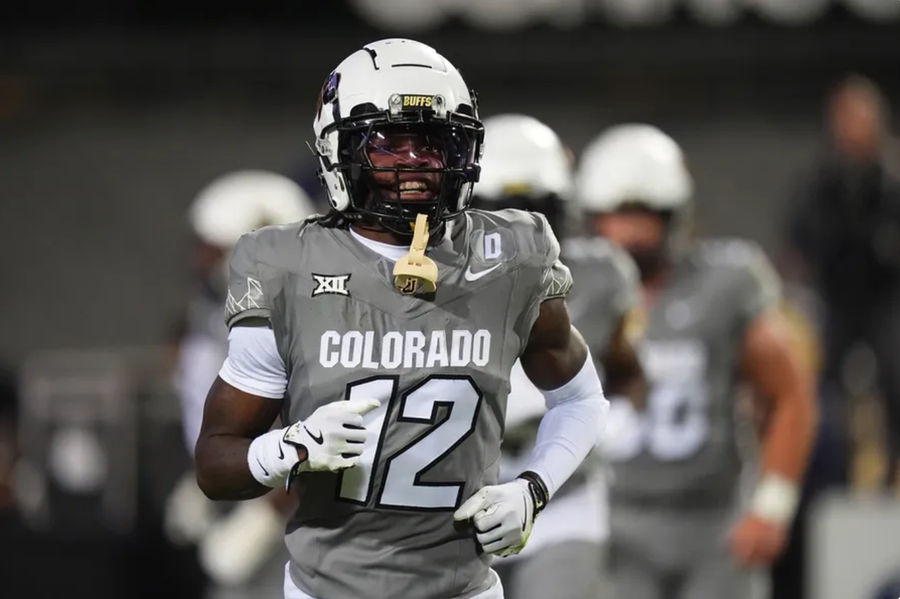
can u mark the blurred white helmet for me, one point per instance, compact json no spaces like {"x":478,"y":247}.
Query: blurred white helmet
{"x":633,"y":164}
{"x":242,"y":201}
{"x":387,"y":86}
{"x":522,"y":157}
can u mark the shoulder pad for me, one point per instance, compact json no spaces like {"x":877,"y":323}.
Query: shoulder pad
{"x":744,"y":264}
{"x":257,"y":262}
{"x":528,"y":233}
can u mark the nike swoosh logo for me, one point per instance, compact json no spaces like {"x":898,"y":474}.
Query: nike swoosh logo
{"x":280,"y":451}
{"x":318,"y":439}
{"x":263,"y":467}
{"x":474,"y":276}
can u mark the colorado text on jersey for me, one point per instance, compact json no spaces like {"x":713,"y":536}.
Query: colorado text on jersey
{"x":411,"y":349}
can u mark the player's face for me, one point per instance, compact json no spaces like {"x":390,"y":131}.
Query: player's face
{"x":406,"y":150}
{"x":855,"y":123}
{"x":636,"y":228}
{"x":640,"y":232}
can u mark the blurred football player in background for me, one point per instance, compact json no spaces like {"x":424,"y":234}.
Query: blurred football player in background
{"x":845,"y":233}
{"x":233,"y":546}
{"x":709,"y":324}
{"x":230,"y":206}
{"x":526,"y":166}
{"x":390,"y":366}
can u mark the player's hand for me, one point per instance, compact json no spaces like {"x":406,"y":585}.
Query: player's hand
{"x":333,"y":436}
{"x":755,"y":541}
{"x":503,"y":516}
{"x":238,"y":545}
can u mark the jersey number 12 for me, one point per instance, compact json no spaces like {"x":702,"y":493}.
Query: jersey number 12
{"x":401,"y":474}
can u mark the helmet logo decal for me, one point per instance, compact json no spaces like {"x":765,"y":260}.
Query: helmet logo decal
{"x":415,"y":101}
{"x":329,"y":91}
{"x":400,"y":102}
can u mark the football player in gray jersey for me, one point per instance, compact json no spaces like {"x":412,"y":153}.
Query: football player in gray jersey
{"x":384,"y":334}
{"x":679,"y":526}
{"x":525,"y":165}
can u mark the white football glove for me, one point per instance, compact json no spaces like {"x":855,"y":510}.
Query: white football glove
{"x":238,"y":545}
{"x":333,"y":436}
{"x":503,"y":516}
{"x":188,"y":513}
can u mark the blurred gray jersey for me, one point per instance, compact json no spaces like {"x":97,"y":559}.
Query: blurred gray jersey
{"x":440,"y":367}
{"x":200,"y":355}
{"x":606,"y":289}
{"x":682,"y":449}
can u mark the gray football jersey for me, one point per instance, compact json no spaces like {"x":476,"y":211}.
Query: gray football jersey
{"x":606,"y":288}
{"x":204,"y":316}
{"x":682,"y":449}
{"x":440,"y":367}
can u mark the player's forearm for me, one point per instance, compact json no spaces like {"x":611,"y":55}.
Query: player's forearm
{"x":777,"y":374}
{"x":569,"y":429}
{"x":785,"y":454}
{"x":625,"y":379}
{"x":565,"y":437}
{"x":789,"y":438}
{"x":222,"y":470}
{"x":623,"y":375}
{"x":235,"y":420}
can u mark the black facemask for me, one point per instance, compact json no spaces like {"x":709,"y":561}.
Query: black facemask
{"x":454,"y":148}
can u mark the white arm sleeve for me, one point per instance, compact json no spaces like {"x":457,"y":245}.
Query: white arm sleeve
{"x":568,"y":431}
{"x":253,"y":364}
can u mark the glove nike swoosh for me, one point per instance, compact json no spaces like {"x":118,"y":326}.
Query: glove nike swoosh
{"x":280,"y":451}
{"x":318,"y":439}
{"x":263,"y":467}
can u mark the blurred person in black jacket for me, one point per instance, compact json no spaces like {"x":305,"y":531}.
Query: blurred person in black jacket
{"x":845,"y":236}
{"x":846,"y":231}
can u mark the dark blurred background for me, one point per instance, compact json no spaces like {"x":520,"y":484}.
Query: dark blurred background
{"x":113,"y":115}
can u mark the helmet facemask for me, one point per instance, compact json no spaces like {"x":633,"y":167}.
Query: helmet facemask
{"x":398,"y":165}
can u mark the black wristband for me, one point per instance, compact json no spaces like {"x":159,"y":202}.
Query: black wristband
{"x":539,"y":493}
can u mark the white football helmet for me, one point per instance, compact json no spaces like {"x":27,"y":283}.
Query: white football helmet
{"x":390,"y":86}
{"x":525,"y":166}
{"x":633,"y":165}
{"x":522,"y":157}
{"x":242,"y":201}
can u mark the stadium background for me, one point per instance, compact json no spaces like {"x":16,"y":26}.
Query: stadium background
{"x":114,"y":114}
